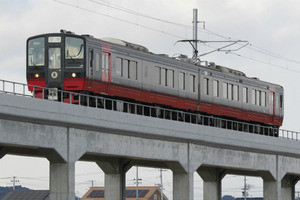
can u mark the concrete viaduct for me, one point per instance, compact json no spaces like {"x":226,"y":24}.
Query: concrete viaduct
{"x":116,"y":141}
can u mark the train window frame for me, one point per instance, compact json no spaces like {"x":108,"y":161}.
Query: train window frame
{"x":216,"y":88}
{"x":181,"y":80}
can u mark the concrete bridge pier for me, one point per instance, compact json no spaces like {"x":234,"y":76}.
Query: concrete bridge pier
{"x":115,"y":177}
{"x":212,"y":182}
{"x":183,"y":186}
{"x":62,"y":181}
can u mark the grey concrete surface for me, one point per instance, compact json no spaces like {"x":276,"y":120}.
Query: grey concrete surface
{"x":116,"y":141}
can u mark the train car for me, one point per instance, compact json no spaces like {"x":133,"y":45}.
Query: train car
{"x":123,"y":70}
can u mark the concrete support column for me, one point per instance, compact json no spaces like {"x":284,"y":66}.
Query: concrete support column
{"x":212,"y":182}
{"x":272,"y":190}
{"x":115,"y":177}
{"x":62,"y":181}
{"x":183,"y":186}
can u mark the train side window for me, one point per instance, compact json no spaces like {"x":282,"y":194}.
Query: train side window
{"x":192,"y":83}
{"x":253,"y":97}
{"x":97,"y":62}
{"x":216,"y":89}
{"x":159,"y":75}
{"x":170,"y":78}
{"x":235,"y":92}
{"x":225,"y":90}
{"x":281,"y":101}
{"x":206,"y":86}
{"x":245,"y":95}
{"x":125,"y":71}
{"x":277,"y":101}
{"x":263,"y":99}
{"x":181,"y":80}
{"x":133,"y":69}
{"x":107,"y":63}
{"x":91,"y":57}
{"x":163,"y":76}
{"x":119,"y":62}
{"x":230,"y":88}
{"x":258,"y":98}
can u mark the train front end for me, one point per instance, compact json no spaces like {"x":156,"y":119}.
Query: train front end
{"x":57,"y":62}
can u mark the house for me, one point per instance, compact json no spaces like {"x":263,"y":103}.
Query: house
{"x":145,"y":193}
{"x":26,"y":195}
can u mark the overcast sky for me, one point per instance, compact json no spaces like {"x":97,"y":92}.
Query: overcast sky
{"x":270,"y":26}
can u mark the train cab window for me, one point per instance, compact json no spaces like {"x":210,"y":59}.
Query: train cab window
{"x":133,"y":70}
{"x":119,"y":62}
{"x":181,"y":80}
{"x":216,"y":88}
{"x":225,"y":89}
{"x":170,"y":78}
{"x":245,"y":95}
{"x":36,"y":52}
{"x":206,"y":86}
{"x":192,"y":83}
{"x":74,"y":48}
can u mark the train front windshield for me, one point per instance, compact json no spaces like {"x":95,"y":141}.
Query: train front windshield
{"x":36,"y":52}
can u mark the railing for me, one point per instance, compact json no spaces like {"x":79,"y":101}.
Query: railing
{"x":100,"y":102}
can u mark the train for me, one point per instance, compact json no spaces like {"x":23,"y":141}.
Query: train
{"x":123,"y":70}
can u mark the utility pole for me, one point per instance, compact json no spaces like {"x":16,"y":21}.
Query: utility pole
{"x":298,"y":195}
{"x":161,"y":184}
{"x":137,"y":179}
{"x":14,"y":181}
{"x":245,"y":188}
{"x":195,"y":33}
{"x":92,"y":182}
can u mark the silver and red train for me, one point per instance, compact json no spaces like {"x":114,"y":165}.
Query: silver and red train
{"x":118,"y":69}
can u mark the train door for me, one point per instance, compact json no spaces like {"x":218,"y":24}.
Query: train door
{"x":90,"y":68}
{"x":272,"y":98}
{"x":54,"y":70}
{"x":106,"y":66}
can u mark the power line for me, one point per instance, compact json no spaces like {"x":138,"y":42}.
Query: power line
{"x":251,"y":46}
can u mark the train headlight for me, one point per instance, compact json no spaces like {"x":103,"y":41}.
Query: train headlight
{"x":36,"y":75}
{"x":73,"y":75}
